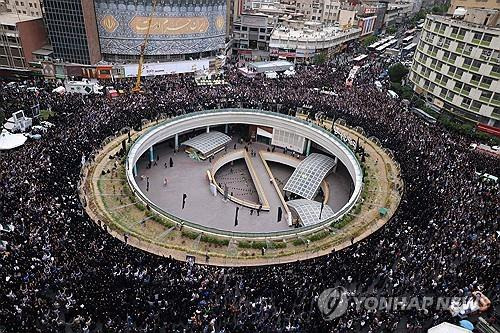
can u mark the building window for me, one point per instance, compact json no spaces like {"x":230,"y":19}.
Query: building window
{"x":466,"y":102}
{"x":487,"y":38}
{"x":495,"y":70}
{"x":466,"y":88}
{"x":486,"y":82}
{"x":486,"y":94}
{"x":485,"y":54}
{"x":476,"y":78}
{"x":476,"y":105}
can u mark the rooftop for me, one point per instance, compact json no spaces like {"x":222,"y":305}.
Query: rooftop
{"x":451,"y":19}
{"x":208,"y":142}
{"x":309,"y":211}
{"x":329,"y":31}
{"x":272,"y":64}
{"x":12,"y":19}
{"x":307,"y":177}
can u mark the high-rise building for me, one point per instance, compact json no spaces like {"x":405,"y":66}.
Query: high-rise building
{"x":180,"y":30}
{"x":72,"y":29}
{"x":469,"y":4}
{"x":252,"y":33}
{"x":457,"y":64}
{"x":20,"y":36}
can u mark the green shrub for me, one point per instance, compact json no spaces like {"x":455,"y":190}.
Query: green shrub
{"x":342,"y":222}
{"x":215,"y":240}
{"x":318,"y":236}
{"x":189,"y":234}
{"x":252,"y":245}
{"x":370,"y":40}
{"x":312,"y":238}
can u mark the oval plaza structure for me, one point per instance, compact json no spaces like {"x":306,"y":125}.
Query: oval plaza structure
{"x":198,"y":170}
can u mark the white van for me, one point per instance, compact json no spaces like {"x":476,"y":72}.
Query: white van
{"x":392,"y":94}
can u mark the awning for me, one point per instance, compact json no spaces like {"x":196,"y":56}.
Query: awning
{"x":10,"y":141}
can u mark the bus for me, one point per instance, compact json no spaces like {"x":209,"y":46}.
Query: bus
{"x":381,"y":42}
{"x":373,"y":46}
{"x":407,"y":40}
{"x":409,"y":48}
{"x":352,"y":74}
{"x":410,"y":32}
{"x":383,"y":47}
{"x":359,"y":59}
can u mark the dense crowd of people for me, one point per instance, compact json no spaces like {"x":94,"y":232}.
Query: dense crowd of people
{"x":59,"y":271}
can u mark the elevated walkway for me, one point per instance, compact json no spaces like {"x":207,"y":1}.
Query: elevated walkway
{"x":233,"y":156}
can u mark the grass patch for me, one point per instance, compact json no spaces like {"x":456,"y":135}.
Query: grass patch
{"x":257,"y":245}
{"x":47,"y":114}
{"x":312,"y":238}
{"x":204,"y":238}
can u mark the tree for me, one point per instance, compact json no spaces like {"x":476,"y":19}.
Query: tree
{"x":391,"y":30}
{"x":369,"y":40}
{"x":397,"y":72}
{"x":440,"y":9}
{"x":419,"y":16}
{"x":320,"y":58}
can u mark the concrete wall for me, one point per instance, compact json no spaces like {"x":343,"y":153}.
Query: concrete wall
{"x":33,"y":36}
{"x":91,"y":30}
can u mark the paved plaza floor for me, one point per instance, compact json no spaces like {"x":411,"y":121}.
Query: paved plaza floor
{"x":190,"y":177}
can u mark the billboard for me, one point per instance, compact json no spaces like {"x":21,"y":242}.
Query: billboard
{"x":346,"y":18}
{"x":164,"y":68}
{"x":177,"y":27}
{"x":367,"y":24}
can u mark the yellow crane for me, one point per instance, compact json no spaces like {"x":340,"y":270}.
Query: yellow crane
{"x":137,"y":86}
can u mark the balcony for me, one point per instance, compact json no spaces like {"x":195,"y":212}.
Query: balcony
{"x":474,"y":108}
{"x":485,"y":85}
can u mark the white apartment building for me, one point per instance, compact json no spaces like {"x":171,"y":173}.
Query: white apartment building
{"x":303,"y":44}
{"x":250,"y":5}
{"x":398,"y":12}
{"x":457,"y":67}
{"x":251,"y":34}
{"x":331,"y":11}
{"x":24,"y":7}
